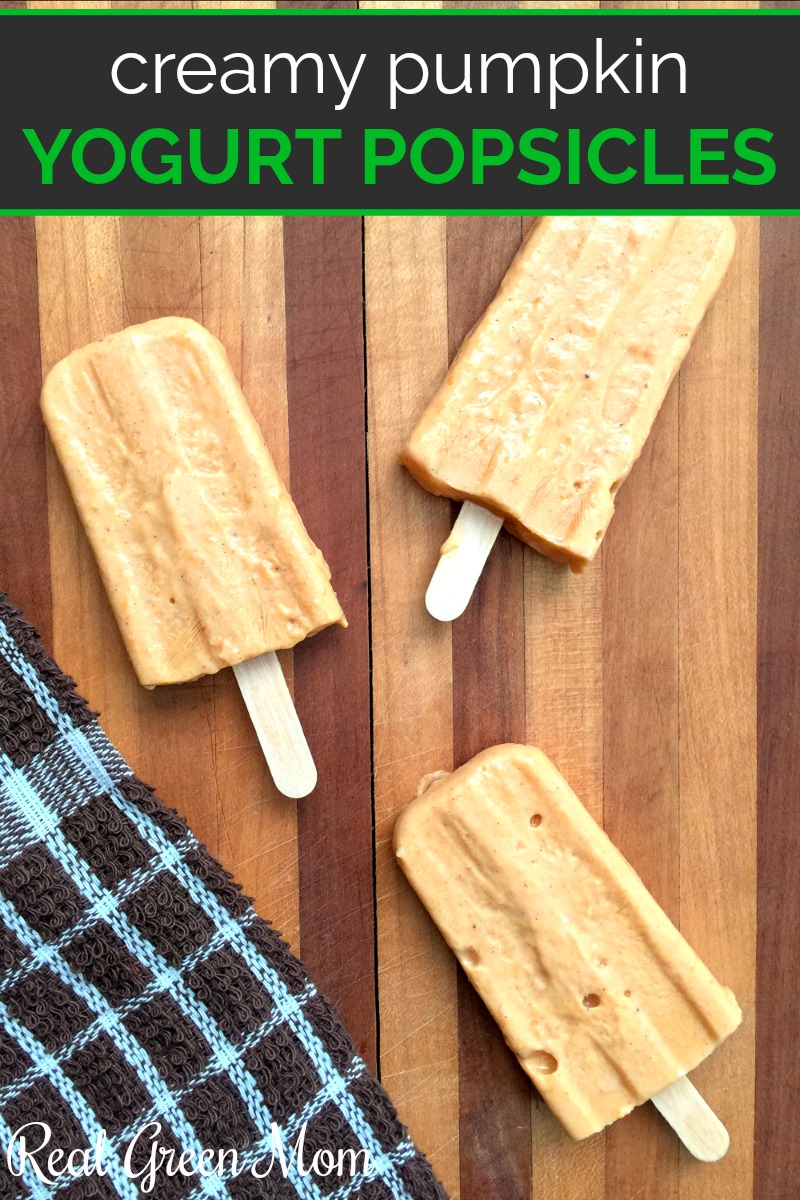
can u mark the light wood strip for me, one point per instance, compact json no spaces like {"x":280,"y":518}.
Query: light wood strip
{"x":398,"y":4}
{"x":407,"y":355}
{"x":488,"y":708}
{"x":101,"y":4}
{"x":80,"y":299}
{"x":641,"y":794}
{"x":533,"y":4}
{"x":718,"y":534}
{"x":160,"y":275}
{"x":241,"y":261}
{"x":564,"y":717}
{"x":676,"y":4}
{"x":254,"y":4}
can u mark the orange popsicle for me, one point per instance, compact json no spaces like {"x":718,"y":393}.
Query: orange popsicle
{"x":202,"y":552}
{"x":551,"y":397}
{"x":595,"y":990}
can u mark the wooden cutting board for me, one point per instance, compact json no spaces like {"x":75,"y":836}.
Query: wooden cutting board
{"x":638,"y":678}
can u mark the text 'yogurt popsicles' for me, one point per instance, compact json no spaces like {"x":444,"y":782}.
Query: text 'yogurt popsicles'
{"x":595,"y":990}
{"x":203,"y":554}
{"x":549,"y":401}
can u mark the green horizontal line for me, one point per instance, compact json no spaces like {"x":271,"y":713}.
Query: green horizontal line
{"x":399,"y":212}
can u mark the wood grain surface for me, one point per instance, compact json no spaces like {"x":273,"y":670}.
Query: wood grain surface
{"x":664,"y":681}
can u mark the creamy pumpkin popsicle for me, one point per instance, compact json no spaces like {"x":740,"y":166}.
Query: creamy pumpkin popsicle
{"x":595,"y":990}
{"x":202,"y":552}
{"x":550,"y":400}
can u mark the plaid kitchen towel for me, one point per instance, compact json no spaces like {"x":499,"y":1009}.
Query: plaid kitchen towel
{"x":146,"y":1012}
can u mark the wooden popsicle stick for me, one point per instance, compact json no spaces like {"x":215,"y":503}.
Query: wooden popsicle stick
{"x":280,"y":733}
{"x":461,"y":561}
{"x":697,"y":1125}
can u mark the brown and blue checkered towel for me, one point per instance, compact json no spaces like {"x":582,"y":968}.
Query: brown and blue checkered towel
{"x":146,"y":1012}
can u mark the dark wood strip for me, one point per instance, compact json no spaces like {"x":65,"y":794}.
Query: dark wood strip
{"x":488,"y":707}
{"x":641,"y":802}
{"x":24,"y":538}
{"x":777,"y":1158}
{"x":327,"y":447}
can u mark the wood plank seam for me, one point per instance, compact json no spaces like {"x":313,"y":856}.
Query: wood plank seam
{"x":373,"y":800}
